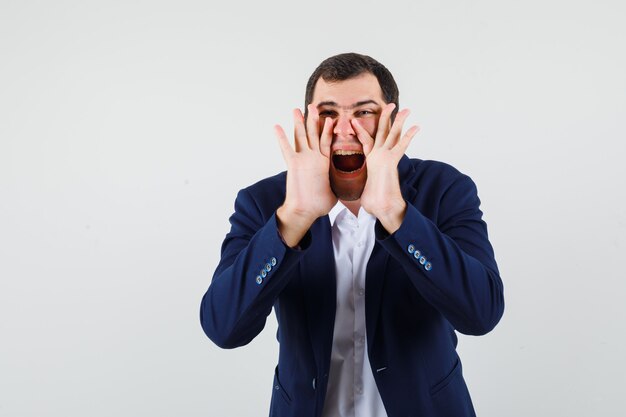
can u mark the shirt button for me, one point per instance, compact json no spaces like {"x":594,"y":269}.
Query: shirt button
{"x":361,"y":291}
{"x":359,"y":244}
{"x":359,"y":390}
{"x":361,"y":340}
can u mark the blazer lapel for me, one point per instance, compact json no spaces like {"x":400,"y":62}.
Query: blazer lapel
{"x":317,"y":270}
{"x":377,"y":266}
{"x":374,"y":280}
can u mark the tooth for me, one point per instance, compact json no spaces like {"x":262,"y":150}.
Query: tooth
{"x":345,"y":152}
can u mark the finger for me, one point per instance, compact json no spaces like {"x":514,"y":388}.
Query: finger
{"x":364,"y":137}
{"x":299,"y":132}
{"x":396,"y":129}
{"x":384,"y":124}
{"x":283,"y":142}
{"x":404,"y":143}
{"x":312,"y":130}
{"x":327,"y":137}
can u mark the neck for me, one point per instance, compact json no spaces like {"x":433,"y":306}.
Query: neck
{"x":353,"y":206}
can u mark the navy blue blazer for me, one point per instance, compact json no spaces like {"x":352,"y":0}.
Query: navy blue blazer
{"x":434,"y":275}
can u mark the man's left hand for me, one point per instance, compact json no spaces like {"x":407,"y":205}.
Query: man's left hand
{"x":381,"y":196}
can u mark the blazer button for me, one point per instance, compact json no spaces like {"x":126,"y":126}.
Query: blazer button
{"x":268,"y":267}
{"x":263,"y":273}
{"x":417,"y":254}
{"x":259,"y":280}
{"x":428,"y":266}
{"x":422,"y":260}
{"x":273,"y":261}
{"x":411,"y":249}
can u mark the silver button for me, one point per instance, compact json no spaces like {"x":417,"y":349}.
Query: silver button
{"x":411,"y":249}
{"x":417,"y":254}
{"x":313,"y":383}
{"x":259,"y":280}
{"x":428,"y":266}
{"x":423,"y":260}
{"x":273,"y":261}
{"x":263,"y":273}
{"x":268,"y":267}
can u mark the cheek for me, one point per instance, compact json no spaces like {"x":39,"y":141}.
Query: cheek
{"x":370,"y":124}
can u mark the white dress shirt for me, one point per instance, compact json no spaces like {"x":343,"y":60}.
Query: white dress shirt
{"x":351,"y":390}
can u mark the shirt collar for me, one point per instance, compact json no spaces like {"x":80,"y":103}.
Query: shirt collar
{"x":341,"y":209}
{"x":335,"y":211}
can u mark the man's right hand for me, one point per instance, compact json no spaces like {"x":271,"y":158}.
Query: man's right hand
{"x":308,"y":195}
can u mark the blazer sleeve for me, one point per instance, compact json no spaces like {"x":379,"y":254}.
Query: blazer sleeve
{"x":253,"y":269}
{"x":451,"y":263}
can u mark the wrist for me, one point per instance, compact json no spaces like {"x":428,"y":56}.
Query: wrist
{"x":296,"y":217}
{"x":292,"y":225}
{"x":392,"y":215}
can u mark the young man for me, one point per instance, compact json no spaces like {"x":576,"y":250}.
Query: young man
{"x":370,"y":259}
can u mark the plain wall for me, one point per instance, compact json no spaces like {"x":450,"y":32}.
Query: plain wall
{"x":127,"y":128}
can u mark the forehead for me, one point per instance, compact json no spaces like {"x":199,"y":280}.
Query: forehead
{"x":350,"y":91}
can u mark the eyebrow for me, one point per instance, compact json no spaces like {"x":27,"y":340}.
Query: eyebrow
{"x":357,"y":104}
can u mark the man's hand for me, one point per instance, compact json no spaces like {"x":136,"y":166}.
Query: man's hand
{"x":308,"y":186}
{"x":381,"y":196}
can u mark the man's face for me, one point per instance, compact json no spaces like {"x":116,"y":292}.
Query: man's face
{"x":356,"y":98}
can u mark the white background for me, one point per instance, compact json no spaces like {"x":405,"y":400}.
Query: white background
{"x":127,"y":127}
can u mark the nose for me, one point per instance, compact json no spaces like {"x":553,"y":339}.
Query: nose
{"x":343,"y":127}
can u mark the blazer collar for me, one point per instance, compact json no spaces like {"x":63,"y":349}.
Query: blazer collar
{"x":406,"y":172}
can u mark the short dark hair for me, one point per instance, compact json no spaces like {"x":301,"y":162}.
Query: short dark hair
{"x":345,"y":66}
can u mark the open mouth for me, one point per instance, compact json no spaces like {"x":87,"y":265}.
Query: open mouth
{"x":348,"y":161}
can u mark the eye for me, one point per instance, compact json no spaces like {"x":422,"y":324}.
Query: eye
{"x":363,"y":113}
{"x":327,"y":113}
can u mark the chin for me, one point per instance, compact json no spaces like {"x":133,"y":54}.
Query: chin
{"x":349,"y":193}
{"x":348,"y":186}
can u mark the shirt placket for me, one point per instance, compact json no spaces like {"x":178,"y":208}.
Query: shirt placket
{"x":359,"y":314}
